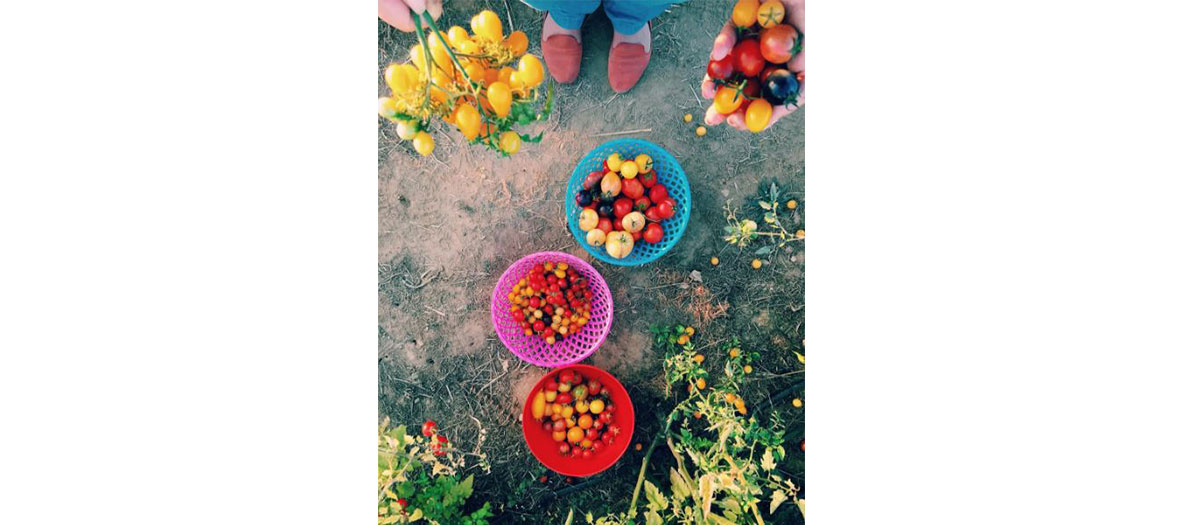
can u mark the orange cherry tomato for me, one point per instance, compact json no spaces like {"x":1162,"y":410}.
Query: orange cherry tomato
{"x":500,"y":97}
{"x":758,"y":115}
{"x":745,"y":13}
{"x":727,"y":100}
{"x":518,"y":42}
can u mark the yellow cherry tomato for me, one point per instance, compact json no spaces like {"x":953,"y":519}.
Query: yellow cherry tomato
{"x":469,"y":47}
{"x":385,"y":107}
{"x":747,"y":369}
{"x":611,"y":184}
{"x":758,"y":115}
{"x":474,"y":71}
{"x":614,"y":161}
{"x":505,"y":75}
{"x":701,"y":131}
{"x":516,"y":81}
{"x":531,"y":70}
{"x":438,"y":52}
{"x":688,"y":117}
{"x":756,"y":263}
{"x":509,"y":142}
{"x":644,"y":162}
{"x":699,"y":358}
{"x":799,"y":234}
{"x":629,"y":169}
{"x":597,"y":406}
{"x":518,"y":42}
{"x":797,"y":403}
{"x":700,"y":383}
{"x":714,"y":261}
{"x":467,"y":119}
{"x":689,"y":331}
{"x":727,"y":100}
{"x":457,"y":35}
{"x":487,"y":24}
{"x":401,"y":78}
{"x":745,"y":13}
{"x":423,"y":143}
{"x":734,"y":352}
{"x":418,"y":57}
{"x":791,"y":204}
{"x":500,"y":97}
{"x":771,"y":13}
{"x":596,"y":237}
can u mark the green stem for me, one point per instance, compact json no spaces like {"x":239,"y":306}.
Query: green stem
{"x":426,"y":54}
{"x":450,"y":52}
{"x":643,"y":466}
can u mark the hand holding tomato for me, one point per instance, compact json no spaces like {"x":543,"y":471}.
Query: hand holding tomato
{"x":397,"y":12}
{"x":725,"y":53}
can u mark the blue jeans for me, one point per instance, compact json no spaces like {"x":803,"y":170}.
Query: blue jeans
{"x":628,"y":16}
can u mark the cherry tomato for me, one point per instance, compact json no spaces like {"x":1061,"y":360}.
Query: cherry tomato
{"x":467,"y":120}
{"x":752,"y":89}
{"x":652,"y":215}
{"x":778,"y":44}
{"x":517,"y":41}
{"x":429,"y":428}
{"x":509,"y":142}
{"x":423,"y":143}
{"x":648,"y":179}
{"x":726,"y":100}
{"x":747,"y":57}
{"x":623,"y":205}
{"x":487,"y":24}
{"x":781,"y":87}
{"x":611,"y":184}
{"x":666,"y":208}
{"x":758,"y":115}
{"x":721,"y":69}
{"x":617,"y":224}
{"x":653,"y":233}
{"x":500,"y":97}
{"x":658,"y":193}
{"x":633,"y":188}
{"x":771,"y":13}
{"x":642,"y":204}
{"x":564,"y":448}
{"x":605,"y":225}
{"x":592,"y":179}
{"x":531,"y":71}
{"x":745,"y":13}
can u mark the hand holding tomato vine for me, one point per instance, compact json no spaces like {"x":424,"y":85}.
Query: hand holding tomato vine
{"x":729,"y":52}
{"x":397,"y":12}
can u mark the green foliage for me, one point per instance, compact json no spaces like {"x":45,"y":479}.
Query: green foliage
{"x":422,"y":472}
{"x":727,"y":463}
{"x":742,"y":232}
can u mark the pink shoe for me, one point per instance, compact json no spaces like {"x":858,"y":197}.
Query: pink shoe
{"x":629,"y":55}
{"x":562,"y":51}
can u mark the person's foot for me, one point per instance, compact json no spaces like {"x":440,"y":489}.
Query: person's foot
{"x":562,"y":50}
{"x":629,"y":55}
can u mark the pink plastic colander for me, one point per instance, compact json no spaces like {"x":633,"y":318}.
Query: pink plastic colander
{"x":533,"y":349}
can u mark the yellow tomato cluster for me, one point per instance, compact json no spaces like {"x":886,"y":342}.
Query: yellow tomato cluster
{"x":468,"y":79}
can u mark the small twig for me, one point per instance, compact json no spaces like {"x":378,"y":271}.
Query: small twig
{"x":433,"y":310}
{"x":511,"y":27}
{"x":492,"y":381}
{"x":422,"y":280}
{"x":613,"y":133}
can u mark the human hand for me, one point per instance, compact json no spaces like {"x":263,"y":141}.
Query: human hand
{"x":397,"y":12}
{"x":724,"y":43}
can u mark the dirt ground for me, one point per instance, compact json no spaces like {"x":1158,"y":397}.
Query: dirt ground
{"x":450,"y":224}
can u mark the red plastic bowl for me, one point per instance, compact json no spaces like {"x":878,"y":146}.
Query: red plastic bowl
{"x":543,"y":447}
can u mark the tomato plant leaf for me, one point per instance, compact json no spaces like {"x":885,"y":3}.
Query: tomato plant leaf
{"x":654,"y":497}
{"x":765,"y":205}
{"x":529,"y":138}
{"x":763,"y":250}
{"x":776,"y":499}
{"x":767,"y":460}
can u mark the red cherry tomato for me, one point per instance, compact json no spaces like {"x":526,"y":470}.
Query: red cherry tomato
{"x":604,"y":224}
{"x":658,"y":193}
{"x":721,"y":69}
{"x":428,"y":428}
{"x":653,"y":233}
{"x":623,"y":205}
{"x":642,"y":204}
{"x":617,"y":224}
{"x":648,"y":179}
{"x":747,"y":57}
{"x":666,"y":208}
{"x":632,"y":188}
{"x":777,"y":43}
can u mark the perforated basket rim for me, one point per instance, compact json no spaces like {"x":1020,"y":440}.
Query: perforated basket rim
{"x":607,"y":302}
{"x":671,"y":235}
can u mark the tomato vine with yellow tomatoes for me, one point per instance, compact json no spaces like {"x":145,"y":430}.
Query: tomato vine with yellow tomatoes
{"x":467,"y":80}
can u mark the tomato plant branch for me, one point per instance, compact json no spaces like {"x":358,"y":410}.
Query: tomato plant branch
{"x":646,"y":460}
{"x":450,"y":52}
{"x":429,"y":59}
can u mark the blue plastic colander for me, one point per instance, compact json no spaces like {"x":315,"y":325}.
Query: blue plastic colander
{"x":668,"y":173}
